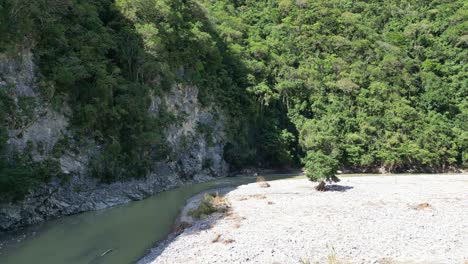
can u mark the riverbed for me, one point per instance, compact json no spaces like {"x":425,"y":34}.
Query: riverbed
{"x":377,"y":219}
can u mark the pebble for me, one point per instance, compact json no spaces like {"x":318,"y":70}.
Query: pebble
{"x":368,"y":221}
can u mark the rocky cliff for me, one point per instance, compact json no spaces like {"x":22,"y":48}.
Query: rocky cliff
{"x":196,"y":140}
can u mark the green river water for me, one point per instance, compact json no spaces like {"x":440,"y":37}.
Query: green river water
{"x":129,"y":230}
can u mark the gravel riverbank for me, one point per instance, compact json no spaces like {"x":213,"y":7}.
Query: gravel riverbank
{"x":372,"y":219}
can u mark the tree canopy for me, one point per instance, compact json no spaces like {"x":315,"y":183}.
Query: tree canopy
{"x":365,"y":83}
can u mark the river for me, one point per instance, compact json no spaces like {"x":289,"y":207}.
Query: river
{"x":127,"y":230}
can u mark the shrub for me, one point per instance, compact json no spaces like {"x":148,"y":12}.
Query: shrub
{"x":320,"y":166}
{"x":211,"y":203}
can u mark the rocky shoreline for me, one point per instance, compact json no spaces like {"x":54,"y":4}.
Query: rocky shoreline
{"x":83,"y":193}
{"x":371,"y":219}
{"x":56,"y":199}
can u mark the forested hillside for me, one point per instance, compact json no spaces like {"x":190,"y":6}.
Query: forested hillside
{"x":326,"y":83}
{"x":365,"y":83}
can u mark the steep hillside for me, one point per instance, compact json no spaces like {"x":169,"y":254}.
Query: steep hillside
{"x":106,"y":101}
{"x":100,"y":106}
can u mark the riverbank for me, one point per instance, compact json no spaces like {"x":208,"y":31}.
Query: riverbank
{"x":129,"y":229}
{"x":83,"y":194}
{"x":371,"y":219}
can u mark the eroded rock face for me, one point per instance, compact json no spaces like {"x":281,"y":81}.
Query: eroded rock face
{"x":196,"y":140}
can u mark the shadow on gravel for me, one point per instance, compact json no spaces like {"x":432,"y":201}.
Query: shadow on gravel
{"x":337,"y":188}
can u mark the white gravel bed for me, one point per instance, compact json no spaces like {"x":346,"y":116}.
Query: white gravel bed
{"x":364,"y":220}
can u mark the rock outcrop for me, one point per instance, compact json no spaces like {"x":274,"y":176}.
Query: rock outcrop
{"x":196,"y":140}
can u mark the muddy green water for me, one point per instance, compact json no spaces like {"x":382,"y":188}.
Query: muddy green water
{"x":129,"y":230}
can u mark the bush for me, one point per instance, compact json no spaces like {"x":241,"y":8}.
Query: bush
{"x":319,"y":166}
{"x":211,"y":203}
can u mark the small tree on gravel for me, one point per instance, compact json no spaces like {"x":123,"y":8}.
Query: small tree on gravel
{"x":320,"y":167}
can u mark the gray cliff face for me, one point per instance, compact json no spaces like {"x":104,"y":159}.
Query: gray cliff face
{"x":196,"y":140}
{"x":199,"y":138}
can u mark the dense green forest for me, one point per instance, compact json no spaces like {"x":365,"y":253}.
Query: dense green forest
{"x":326,"y":83}
{"x":365,"y":83}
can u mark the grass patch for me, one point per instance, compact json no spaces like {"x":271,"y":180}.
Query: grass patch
{"x":256,"y":196}
{"x":331,"y":259}
{"x":211,"y":203}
